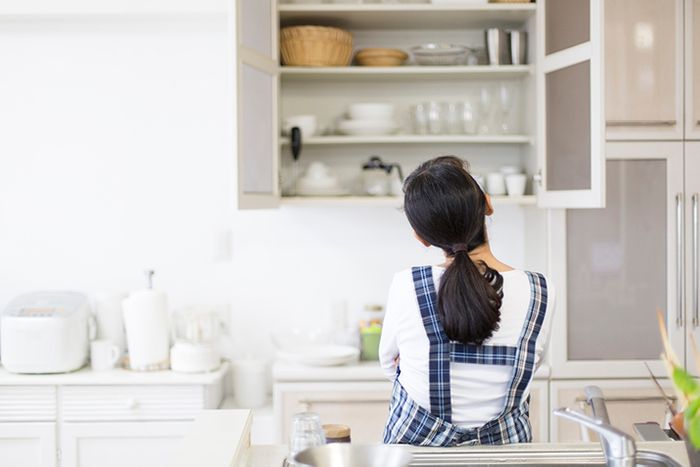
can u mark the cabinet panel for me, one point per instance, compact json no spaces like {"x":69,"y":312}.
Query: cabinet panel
{"x":27,"y":403}
{"x":258,"y":26}
{"x":692,"y":250}
{"x":611,"y":279}
{"x":628,"y":402}
{"x":692,"y":69}
{"x":566,"y":24}
{"x":28,"y":444}
{"x":643,"y":69}
{"x":539,"y":411}
{"x":364,"y":407}
{"x":145,"y":444}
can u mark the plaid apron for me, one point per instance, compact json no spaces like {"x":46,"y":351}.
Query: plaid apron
{"x":409,"y":423}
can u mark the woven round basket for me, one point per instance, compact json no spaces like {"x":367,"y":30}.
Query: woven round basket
{"x":315,"y":46}
{"x":380,"y":57}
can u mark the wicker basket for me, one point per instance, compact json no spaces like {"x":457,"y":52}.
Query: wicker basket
{"x":315,"y":46}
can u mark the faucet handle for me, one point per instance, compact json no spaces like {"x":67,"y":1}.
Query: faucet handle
{"x":621,"y":445}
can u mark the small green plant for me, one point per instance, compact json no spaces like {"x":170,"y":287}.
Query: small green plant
{"x":686,"y":387}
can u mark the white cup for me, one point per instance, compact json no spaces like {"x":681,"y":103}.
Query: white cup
{"x":495,"y":184}
{"x":104,"y":354}
{"x":515,"y":184}
{"x":250,"y":381}
{"x":306,"y":123}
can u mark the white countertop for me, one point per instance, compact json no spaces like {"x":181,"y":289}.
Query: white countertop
{"x":361,"y":371}
{"x":118,"y":376}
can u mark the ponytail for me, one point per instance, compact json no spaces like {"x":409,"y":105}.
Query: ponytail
{"x":469,"y":300}
{"x":447,"y":208}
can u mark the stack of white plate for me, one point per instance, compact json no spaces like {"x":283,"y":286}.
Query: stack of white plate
{"x":369,"y":119}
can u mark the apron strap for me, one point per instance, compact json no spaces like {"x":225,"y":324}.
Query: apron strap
{"x":439,"y":357}
{"x":524,"y":368}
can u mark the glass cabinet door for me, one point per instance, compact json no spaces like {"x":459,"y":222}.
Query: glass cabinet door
{"x":570,"y":107}
{"x":692,"y":69}
{"x":258,"y":87}
{"x":643,"y":69}
{"x":621,"y":264}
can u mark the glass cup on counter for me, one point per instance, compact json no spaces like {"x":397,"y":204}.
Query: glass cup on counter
{"x":306,"y":433}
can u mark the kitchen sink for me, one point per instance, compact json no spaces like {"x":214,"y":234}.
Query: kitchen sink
{"x":476,"y":456}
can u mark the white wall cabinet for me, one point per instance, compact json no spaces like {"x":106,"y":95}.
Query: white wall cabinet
{"x":611,"y":278}
{"x":28,"y":444}
{"x":692,"y":249}
{"x":571,"y":168}
{"x":692,"y":69}
{"x":644,"y":69}
{"x":137,"y":444}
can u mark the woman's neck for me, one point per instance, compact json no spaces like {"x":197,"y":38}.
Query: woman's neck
{"x":483,"y":253}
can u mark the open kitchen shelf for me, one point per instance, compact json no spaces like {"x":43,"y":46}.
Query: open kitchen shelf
{"x":415,"y":139}
{"x":395,"y":201}
{"x":407,"y":16}
{"x":289,"y":73}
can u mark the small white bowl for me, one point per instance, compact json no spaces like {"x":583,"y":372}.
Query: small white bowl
{"x":371,"y":111}
{"x":367,"y":127}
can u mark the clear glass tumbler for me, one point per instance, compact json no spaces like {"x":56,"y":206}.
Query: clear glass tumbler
{"x":435,"y":118}
{"x":306,"y":433}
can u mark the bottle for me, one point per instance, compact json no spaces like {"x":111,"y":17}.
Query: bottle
{"x":371,"y":320}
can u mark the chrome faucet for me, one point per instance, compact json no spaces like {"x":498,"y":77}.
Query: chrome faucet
{"x":619,"y":447}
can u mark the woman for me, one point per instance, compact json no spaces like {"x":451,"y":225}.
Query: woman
{"x":462,"y":340}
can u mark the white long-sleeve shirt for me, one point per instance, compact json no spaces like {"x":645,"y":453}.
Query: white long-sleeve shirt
{"x":478,"y":391}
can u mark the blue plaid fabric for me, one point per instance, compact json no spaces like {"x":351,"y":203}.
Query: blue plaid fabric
{"x":409,"y":423}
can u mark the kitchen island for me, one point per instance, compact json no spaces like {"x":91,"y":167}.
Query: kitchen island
{"x":221,"y":438}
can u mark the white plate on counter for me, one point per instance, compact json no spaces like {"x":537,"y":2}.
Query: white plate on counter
{"x":320,"y":355}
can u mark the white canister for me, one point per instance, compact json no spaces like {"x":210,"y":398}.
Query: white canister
{"x":496,"y":184}
{"x":104,"y":354}
{"x":515,"y":184}
{"x":250,"y":381}
{"x":147,"y":330}
{"x":110,"y":319}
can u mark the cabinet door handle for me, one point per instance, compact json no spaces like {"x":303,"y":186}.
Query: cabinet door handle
{"x":696,"y":317}
{"x":679,"y":260}
{"x":640,"y":122}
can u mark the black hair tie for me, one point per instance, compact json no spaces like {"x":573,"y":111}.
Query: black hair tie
{"x":457,"y":247}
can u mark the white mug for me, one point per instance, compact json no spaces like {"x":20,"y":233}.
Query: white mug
{"x":306,"y":123}
{"x":515,"y":184}
{"x":495,"y":184}
{"x":104,"y":354}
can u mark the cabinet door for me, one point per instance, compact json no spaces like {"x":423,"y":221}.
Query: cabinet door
{"x":256,"y":120}
{"x":692,"y":250}
{"x":614,"y":267}
{"x":117,"y":444}
{"x":628,"y":402}
{"x":539,"y":411}
{"x":692,"y":69}
{"x":570,"y":106}
{"x":644,"y":69}
{"x":28,"y":444}
{"x":364,"y":407}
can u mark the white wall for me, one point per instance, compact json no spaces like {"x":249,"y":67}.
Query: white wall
{"x":116,"y":155}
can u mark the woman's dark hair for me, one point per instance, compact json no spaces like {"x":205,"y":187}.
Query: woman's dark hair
{"x":447,"y":208}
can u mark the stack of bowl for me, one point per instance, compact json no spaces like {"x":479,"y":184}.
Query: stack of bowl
{"x":369,"y":119}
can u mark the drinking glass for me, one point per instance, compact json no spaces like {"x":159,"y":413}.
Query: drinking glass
{"x":469,"y":118}
{"x":435,"y":118}
{"x":505,"y":98}
{"x":453,"y":118}
{"x":419,"y":119}
{"x":486,"y":104}
{"x":306,"y":433}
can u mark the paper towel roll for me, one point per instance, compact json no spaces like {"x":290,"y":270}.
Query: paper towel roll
{"x":147,"y":330}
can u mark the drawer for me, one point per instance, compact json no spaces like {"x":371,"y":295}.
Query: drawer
{"x":138,"y":402}
{"x":27,"y":403}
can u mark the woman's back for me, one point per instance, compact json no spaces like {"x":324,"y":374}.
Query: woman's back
{"x":478,"y":390}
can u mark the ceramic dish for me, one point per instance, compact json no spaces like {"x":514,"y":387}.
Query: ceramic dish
{"x":320,"y":355}
{"x":440,"y":54}
{"x":367,"y":127}
{"x":371,"y":111}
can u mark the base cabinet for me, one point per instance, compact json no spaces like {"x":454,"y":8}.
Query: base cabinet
{"x":28,"y":444}
{"x":118,"y":444}
{"x":628,"y":402}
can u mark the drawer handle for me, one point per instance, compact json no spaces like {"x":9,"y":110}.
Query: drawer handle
{"x":640,"y":122}
{"x":131,"y":403}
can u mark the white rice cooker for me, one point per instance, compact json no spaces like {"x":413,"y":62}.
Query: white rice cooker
{"x":46,"y":332}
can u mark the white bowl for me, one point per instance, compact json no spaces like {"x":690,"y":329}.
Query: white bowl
{"x":306,"y":123}
{"x":367,"y":127}
{"x":371,"y":111}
